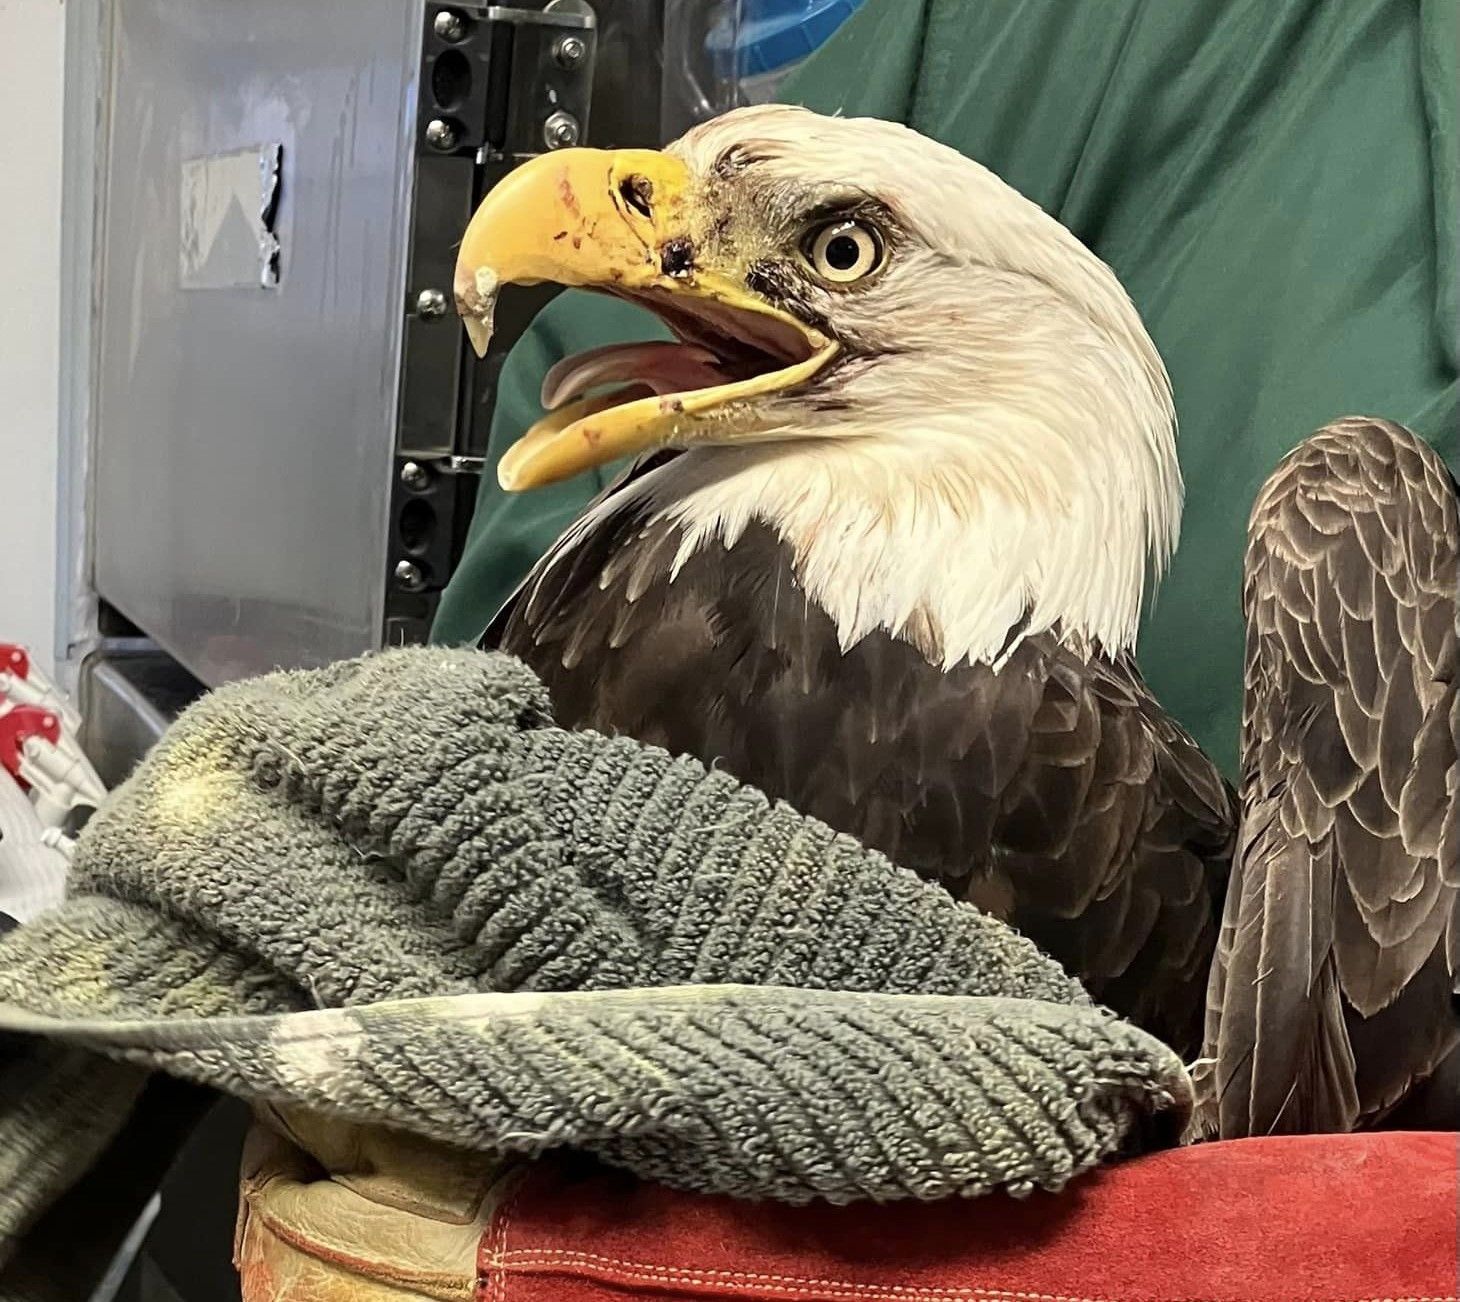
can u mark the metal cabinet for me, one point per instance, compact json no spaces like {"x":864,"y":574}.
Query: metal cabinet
{"x":286,"y":423}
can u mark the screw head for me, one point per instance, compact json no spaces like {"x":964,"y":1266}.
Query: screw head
{"x":415,"y":476}
{"x":440,"y":133}
{"x":561,"y":130}
{"x":408,"y":575}
{"x":430,"y":303}
{"x":449,"y":26}
{"x":569,"y":51}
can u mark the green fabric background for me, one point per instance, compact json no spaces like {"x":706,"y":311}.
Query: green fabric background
{"x":1273,"y":180}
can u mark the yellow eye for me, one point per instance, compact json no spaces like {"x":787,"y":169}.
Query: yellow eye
{"x":842,"y":252}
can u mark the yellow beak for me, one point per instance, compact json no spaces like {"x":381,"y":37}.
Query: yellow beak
{"x":621,"y":222}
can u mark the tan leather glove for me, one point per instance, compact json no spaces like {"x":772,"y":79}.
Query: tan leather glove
{"x":330,"y":1211}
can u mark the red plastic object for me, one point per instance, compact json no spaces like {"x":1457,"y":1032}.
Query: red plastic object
{"x":1346,"y":1218}
{"x":19,"y":723}
{"x":14,"y":659}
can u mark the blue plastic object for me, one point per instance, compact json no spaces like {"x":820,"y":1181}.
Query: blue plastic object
{"x":775,"y":34}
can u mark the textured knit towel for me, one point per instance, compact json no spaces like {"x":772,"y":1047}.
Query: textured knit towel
{"x":394,"y":890}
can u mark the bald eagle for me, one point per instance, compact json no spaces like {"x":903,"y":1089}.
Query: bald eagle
{"x":903,"y":476}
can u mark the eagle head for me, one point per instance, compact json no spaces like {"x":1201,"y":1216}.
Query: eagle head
{"x":945,"y":404}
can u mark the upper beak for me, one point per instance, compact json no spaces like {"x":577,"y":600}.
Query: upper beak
{"x":575,"y":217}
{"x":621,"y":221}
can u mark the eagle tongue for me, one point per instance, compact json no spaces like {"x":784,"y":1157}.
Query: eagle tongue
{"x":661,"y":366}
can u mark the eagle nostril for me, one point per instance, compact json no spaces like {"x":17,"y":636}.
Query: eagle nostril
{"x":677,"y":256}
{"x":637,"y":191}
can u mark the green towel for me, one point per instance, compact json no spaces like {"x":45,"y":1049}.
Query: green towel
{"x":394,"y":891}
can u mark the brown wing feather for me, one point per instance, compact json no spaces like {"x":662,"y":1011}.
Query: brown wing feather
{"x":1331,"y":992}
{"x":1054,"y":792}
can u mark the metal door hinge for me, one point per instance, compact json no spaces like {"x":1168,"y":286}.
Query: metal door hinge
{"x":497,"y":84}
{"x":462,"y":465}
{"x":503,"y":83}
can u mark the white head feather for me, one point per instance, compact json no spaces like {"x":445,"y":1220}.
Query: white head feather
{"x":1009,"y":447}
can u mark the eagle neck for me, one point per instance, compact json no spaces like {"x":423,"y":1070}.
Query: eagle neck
{"x":962,"y":556}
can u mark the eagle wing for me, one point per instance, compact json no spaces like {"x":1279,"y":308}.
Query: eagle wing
{"x":496,"y":629}
{"x":1052,"y":792}
{"x":1330,"y":995}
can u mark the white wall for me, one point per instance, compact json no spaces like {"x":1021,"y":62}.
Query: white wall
{"x":30,"y":241}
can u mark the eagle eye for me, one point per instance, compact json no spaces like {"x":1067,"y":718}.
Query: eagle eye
{"x":845,"y":251}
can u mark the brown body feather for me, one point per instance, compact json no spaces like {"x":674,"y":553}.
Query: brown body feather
{"x":1330,"y":1004}
{"x":1053,"y":792}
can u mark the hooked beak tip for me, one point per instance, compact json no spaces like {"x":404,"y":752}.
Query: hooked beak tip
{"x":478,"y":333}
{"x":476,"y":300}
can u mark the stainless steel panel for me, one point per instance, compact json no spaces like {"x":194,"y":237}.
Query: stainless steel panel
{"x":127,"y":700}
{"x":244,"y":435}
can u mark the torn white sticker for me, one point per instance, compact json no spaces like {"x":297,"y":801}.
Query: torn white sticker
{"x":229,"y":204}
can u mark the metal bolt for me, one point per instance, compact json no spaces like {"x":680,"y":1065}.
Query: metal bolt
{"x":569,"y":51}
{"x":441,"y":133}
{"x":449,"y":26}
{"x":561,"y":130}
{"x":408,"y":575}
{"x":430,"y":303}
{"x":416,"y":477}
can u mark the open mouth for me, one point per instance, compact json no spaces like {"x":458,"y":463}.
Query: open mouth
{"x":609,"y":221}
{"x":714,"y":345}
{"x":629,"y":398}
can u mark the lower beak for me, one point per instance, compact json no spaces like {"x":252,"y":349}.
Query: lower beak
{"x":621,"y":222}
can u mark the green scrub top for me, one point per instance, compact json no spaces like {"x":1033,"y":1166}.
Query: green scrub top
{"x":1274,"y":181}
